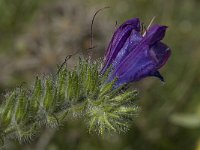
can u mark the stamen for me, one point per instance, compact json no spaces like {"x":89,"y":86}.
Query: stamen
{"x":152,"y":20}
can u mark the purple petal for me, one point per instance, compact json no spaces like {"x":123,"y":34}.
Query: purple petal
{"x":155,"y":33}
{"x":145,"y":62}
{"x":134,"y":67}
{"x":134,"y":56}
{"x":118,"y":40}
{"x":129,"y":46}
{"x":160,"y":53}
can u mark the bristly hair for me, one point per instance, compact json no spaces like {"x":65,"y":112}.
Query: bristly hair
{"x":70,"y":94}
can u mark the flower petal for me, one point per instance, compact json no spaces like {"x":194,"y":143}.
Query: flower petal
{"x":129,"y":46}
{"x":160,"y":52}
{"x":118,"y":40}
{"x":155,"y":33}
{"x":135,"y":66}
{"x":134,"y":56}
{"x":144,"y":63}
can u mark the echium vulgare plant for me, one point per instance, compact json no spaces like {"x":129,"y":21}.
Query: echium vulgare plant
{"x":92,"y":92}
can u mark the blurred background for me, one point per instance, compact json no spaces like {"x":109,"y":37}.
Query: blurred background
{"x":36,"y":36}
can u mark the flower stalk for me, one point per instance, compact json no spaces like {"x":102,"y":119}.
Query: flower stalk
{"x":80,"y":93}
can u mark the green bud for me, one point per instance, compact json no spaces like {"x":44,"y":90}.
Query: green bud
{"x":36,"y":96}
{"x":60,"y":93}
{"x":73,"y":88}
{"x":8,"y":109}
{"x":48,"y":98}
{"x":21,"y":109}
{"x":106,"y":88}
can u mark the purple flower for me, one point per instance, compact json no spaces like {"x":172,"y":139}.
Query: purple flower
{"x":133,"y":55}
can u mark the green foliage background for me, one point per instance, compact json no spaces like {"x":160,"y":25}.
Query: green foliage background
{"x":35,"y":35}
